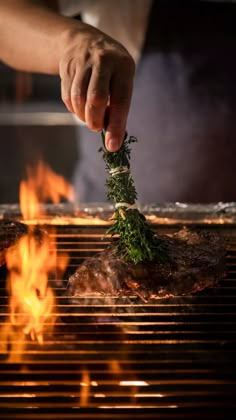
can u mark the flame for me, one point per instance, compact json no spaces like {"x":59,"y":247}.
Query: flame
{"x":31,"y":300}
{"x":42,"y":184}
{"x":31,"y":261}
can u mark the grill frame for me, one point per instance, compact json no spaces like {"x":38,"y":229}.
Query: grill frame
{"x":189,"y":367}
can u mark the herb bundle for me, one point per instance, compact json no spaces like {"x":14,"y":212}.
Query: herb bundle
{"x":137,"y":241}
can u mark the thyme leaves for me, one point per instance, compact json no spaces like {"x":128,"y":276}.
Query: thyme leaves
{"x":137,"y":241}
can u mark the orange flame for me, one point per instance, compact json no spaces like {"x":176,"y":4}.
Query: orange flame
{"x":31,"y":299}
{"x":42,"y":185}
{"x":35,"y":256}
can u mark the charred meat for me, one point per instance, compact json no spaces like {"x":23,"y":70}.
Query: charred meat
{"x":195,"y":262}
{"x":141,"y":263}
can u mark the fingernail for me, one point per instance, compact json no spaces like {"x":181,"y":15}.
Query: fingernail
{"x":113,"y":145}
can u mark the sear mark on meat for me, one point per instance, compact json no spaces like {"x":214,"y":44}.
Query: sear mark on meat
{"x":196,"y":261}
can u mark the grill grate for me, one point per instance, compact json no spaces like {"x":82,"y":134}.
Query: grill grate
{"x":170,"y":359}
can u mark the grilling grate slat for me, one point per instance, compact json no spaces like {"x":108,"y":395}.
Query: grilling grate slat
{"x":121,"y":359}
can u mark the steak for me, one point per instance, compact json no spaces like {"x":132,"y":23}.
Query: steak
{"x":195,"y":262}
{"x":10,"y":232}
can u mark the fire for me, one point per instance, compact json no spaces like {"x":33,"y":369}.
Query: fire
{"x":34,"y":258}
{"x":31,"y":300}
{"x":42,"y":185}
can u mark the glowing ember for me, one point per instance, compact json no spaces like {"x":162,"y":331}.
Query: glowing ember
{"x":84,"y":388}
{"x":134,"y":383}
{"x":34,"y":257}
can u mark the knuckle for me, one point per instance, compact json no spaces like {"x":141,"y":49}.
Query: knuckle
{"x":66,"y":100}
{"x":103,"y":58}
{"x":125,"y":61}
{"x":68,"y":104}
{"x":78,"y":98}
{"x":94,"y":119}
{"x":96,"y":99}
{"x":79,"y":107}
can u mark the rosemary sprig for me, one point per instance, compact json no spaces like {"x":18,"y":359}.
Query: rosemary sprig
{"x":137,"y":241}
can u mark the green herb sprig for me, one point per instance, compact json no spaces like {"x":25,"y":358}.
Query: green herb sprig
{"x":137,"y":241}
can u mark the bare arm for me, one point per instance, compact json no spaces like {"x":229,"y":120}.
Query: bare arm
{"x":96,"y":71}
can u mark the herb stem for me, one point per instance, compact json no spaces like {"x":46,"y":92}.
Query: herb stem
{"x":137,"y":241}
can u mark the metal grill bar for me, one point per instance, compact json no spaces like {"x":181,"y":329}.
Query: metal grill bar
{"x":169,"y":359}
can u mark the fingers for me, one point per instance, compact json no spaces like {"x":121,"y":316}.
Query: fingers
{"x":120,"y":98}
{"x":97,"y":98}
{"x":100,"y":81}
{"x":67,"y":73}
{"x":86,"y":94}
{"x":78,"y":94}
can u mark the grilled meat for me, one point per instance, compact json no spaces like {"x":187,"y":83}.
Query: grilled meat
{"x":196,"y":261}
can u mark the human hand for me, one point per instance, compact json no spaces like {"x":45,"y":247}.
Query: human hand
{"x":96,"y":81}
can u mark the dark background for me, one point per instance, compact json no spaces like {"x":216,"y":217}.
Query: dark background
{"x":21,"y":145}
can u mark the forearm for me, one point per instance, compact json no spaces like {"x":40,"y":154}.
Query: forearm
{"x":32,"y":36}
